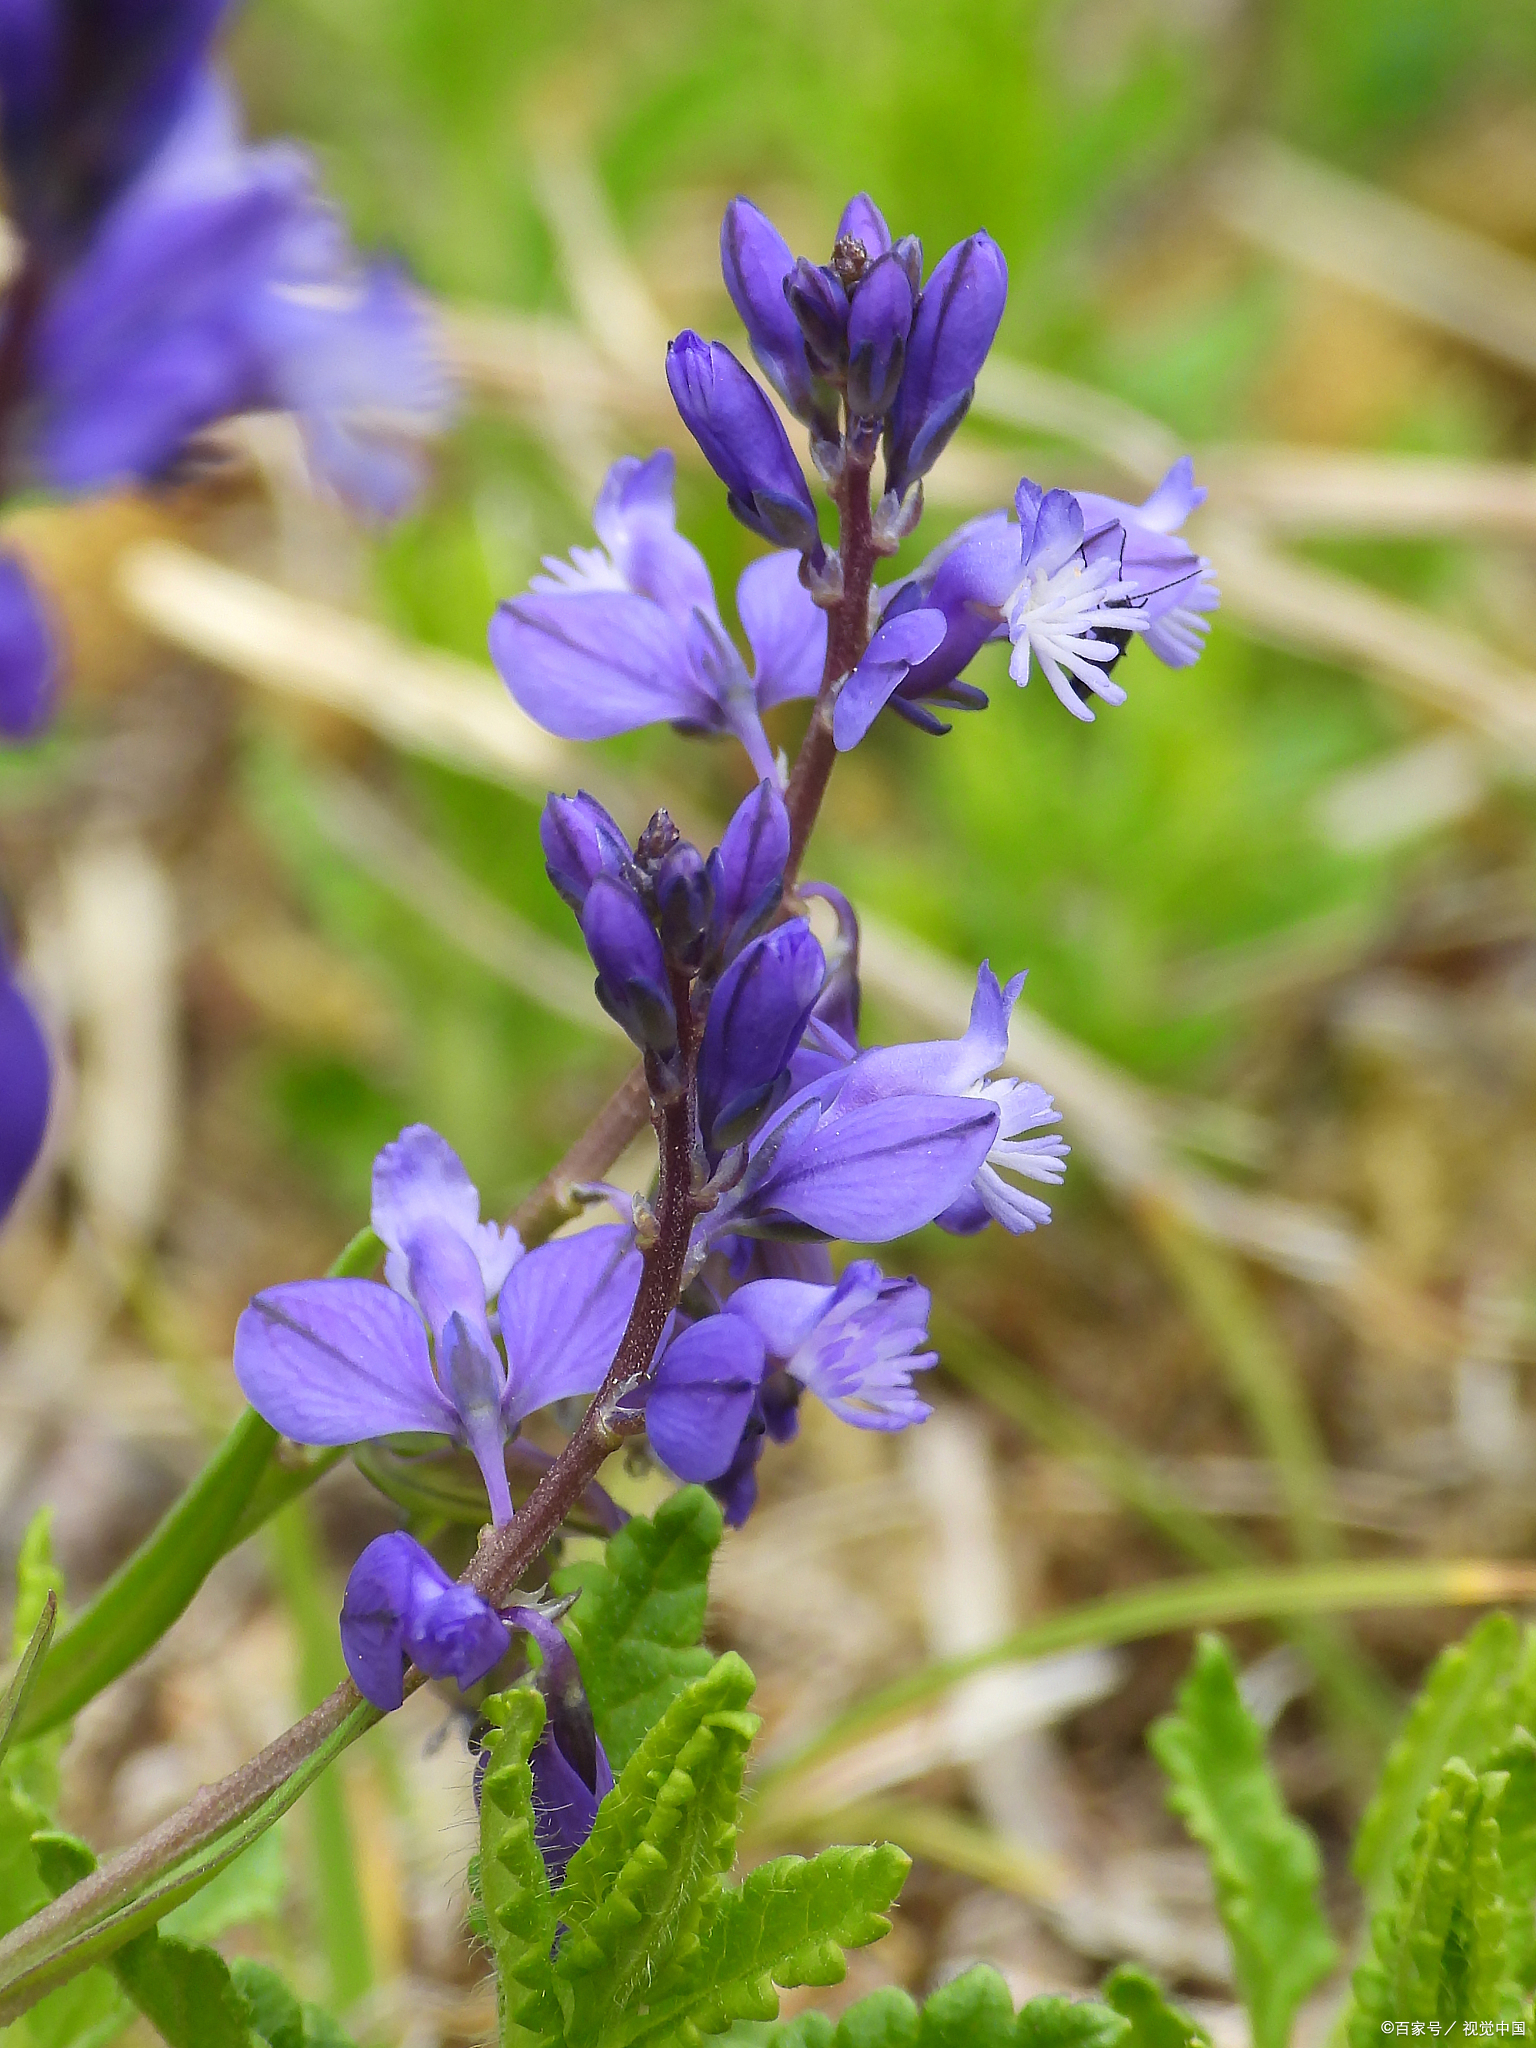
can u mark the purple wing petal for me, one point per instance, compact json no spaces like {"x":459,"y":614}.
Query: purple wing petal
{"x":882,"y":1170}
{"x":596,"y":663}
{"x":899,"y":642}
{"x":419,"y":1178}
{"x":338,"y":1361}
{"x":563,"y":1311}
{"x":702,"y":1395}
{"x":29,"y":659}
{"x":783,"y":1312}
{"x":939,"y":1066}
{"x":785,"y":628}
{"x":24,"y":1089}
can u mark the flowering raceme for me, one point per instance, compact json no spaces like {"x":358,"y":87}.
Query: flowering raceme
{"x":172,"y":275}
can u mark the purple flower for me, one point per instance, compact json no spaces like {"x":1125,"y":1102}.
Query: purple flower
{"x":731,"y":1381}
{"x":581,"y":841}
{"x":878,"y":324}
{"x":29,"y":660}
{"x":217,"y":283}
{"x":340,"y":1361}
{"x":956,"y":320}
{"x":632,"y":983}
{"x":864,"y":223}
{"x":756,"y":262}
{"x":1175,"y":586}
{"x":817,"y":298}
{"x":746,"y":871}
{"x":89,"y":94}
{"x":831,"y":1036}
{"x":685,"y":900}
{"x":570,"y":1770}
{"x":629,"y":634}
{"x":895,"y":1137}
{"x":756,"y":1016}
{"x":744,"y":442}
{"x":25,"y":1086}
{"x":900,"y":643}
{"x":401,"y":1607}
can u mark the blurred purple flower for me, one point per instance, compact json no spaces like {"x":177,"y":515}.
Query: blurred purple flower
{"x":401,"y":1607}
{"x":628,"y":634}
{"x":340,"y":1361}
{"x":29,"y":655}
{"x":25,"y":1087}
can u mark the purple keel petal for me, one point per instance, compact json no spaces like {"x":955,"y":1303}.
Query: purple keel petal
{"x":702,"y":1395}
{"x":400,"y":1603}
{"x":563,"y":1311}
{"x":338,"y":1361}
{"x":883,"y":1170}
{"x":899,"y":643}
{"x":595,"y":663}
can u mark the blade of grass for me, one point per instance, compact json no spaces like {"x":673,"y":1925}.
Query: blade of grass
{"x":1271,"y":1593}
{"x":338,"y":1895}
{"x":25,"y":1674}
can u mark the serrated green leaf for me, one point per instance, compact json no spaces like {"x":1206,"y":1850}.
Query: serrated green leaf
{"x":787,"y":1924}
{"x":974,"y":2010}
{"x":636,"y":1628}
{"x":1464,"y":1708}
{"x":1440,"y":1951}
{"x":1264,"y":1863}
{"x":519,"y":1918}
{"x":1154,"y":2023}
{"x":1052,"y":2022}
{"x":1516,"y":1761}
{"x":886,"y":2018}
{"x":278,"y":2019}
{"x":634,"y":1891}
{"x":90,"y":2011}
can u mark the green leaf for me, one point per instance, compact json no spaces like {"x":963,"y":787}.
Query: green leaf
{"x":787,"y":1924}
{"x":974,"y":2010}
{"x":1516,"y":1762}
{"x":633,"y":1892}
{"x":1051,"y":2022}
{"x":22,"y":1678}
{"x":1264,"y":1863}
{"x":86,"y":2013}
{"x":1154,"y":2023}
{"x":513,"y":1887}
{"x":1440,"y":1951}
{"x":886,"y":2018}
{"x":251,"y":1888}
{"x":636,"y":1628}
{"x":279,"y":2020}
{"x":1463,"y":1709}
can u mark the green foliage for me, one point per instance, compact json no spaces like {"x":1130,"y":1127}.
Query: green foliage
{"x":655,"y":1947}
{"x":1153,"y":2022}
{"x":1441,"y":1950}
{"x":29,"y":1659}
{"x":971,"y":2011}
{"x":1264,"y":1863}
{"x":636,"y":1627}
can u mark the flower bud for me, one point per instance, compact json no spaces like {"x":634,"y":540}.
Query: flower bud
{"x":685,"y":897}
{"x":756,"y":1018}
{"x":744,"y":441}
{"x":863,"y":221}
{"x":957,"y":318}
{"x":756,"y":262}
{"x":581,"y":841}
{"x":401,"y":1605}
{"x":878,"y":322}
{"x":631,"y":969}
{"x":819,"y":304}
{"x":747,"y":871}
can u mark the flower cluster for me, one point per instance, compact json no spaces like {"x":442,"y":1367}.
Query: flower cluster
{"x":170,"y":275}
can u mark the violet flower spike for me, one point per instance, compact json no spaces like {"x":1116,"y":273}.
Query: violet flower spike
{"x":744,"y":442}
{"x":629,"y":634}
{"x":401,"y":1608}
{"x":26,"y":1083}
{"x":343,"y":1361}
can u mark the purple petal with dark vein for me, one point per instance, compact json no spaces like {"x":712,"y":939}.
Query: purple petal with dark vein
{"x":596,"y":663}
{"x":785,"y":628}
{"x":338,"y":1361}
{"x":899,"y":641}
{"x":747,"y":869}
{"x":756,"y":1016}
{"x":702,"y":1394}
{"x":755,"y":259}
{"x":563,"y":1311}
{"x":880,"y":1171}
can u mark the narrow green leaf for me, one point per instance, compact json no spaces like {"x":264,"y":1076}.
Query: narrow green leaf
{"x":1462,"y":1709}
{"x":1154,"y":2023}
{"x":514,"y":1888}
{"x":1051,"y":2022}
{"x":1264,"y":1863}
{"x":154,"y":1586}
{"x":637,"y":1625}
{"x":16,"y":1693}
{"x":633,"y":1893}
{"x":974,"y":2010}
